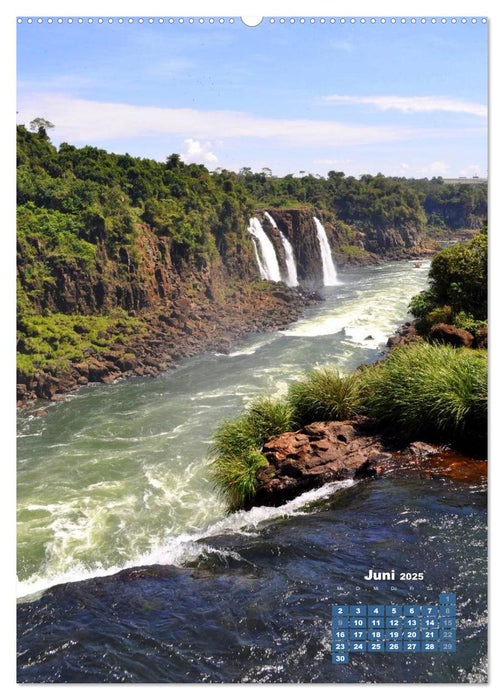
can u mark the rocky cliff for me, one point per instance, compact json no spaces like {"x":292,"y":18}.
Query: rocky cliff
{"x":349,"y":245}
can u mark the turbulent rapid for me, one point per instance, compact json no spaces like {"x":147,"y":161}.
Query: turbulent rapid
{"x":116,"y":477}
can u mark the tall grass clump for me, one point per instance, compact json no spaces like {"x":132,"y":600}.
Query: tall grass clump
{"x":269,"y":417}
{"x":237,"y":444}
{"x":324,"y":394}
{"x":430,"y":391}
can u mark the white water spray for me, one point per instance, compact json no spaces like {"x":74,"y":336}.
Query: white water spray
{"x":328,"y":269}
{"x":265,"y":252}
{"x":290,"y":262}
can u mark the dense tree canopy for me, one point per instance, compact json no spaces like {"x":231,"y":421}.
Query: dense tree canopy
{"x":71,"y":200}
{"x":458,"y":287}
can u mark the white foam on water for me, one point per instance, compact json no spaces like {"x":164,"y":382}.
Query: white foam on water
{"x":184,"y":548}
{"x":253,"y":348}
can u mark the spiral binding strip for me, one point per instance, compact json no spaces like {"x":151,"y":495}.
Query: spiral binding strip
{"x":233,"y":20}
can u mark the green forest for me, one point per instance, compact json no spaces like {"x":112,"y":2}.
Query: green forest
{"x":83,"y":216}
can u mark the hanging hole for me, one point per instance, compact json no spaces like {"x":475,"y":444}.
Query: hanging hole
{"x":251,"y":21}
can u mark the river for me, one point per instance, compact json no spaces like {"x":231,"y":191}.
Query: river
{"x":130,"y":569}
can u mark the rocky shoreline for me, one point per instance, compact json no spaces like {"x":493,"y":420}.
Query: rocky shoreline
{"x":188,"y":328}
{"x":330,"y":451}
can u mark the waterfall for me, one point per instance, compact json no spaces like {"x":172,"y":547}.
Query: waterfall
{"x":265,"y":252}
{"x":328,"y":269}
{"x":290,"y":262}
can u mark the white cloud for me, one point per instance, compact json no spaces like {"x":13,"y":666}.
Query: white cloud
{"x":79,"y":120}
{"x":197,"y":152}
{"x":333,"y":161}
{"x":434,"y":169}
{"x":412,"y":104}
{"x":471,"y":170}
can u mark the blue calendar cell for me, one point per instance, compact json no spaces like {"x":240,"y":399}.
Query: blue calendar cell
{"x":358,"y":634}
{"x":340,"y":621}
{"x":357,"y":622}
{"x":430,"y":610}
{"x":358,"y":610}
{"x":376,"y":646}
{"x":411,"y":634}
{"x":429,"y":634}
{"x":412,"y":622}
{"x":394,"y":634}
{"x":394,"y":610}
{"x":358,"y":646}
{"x":394,"y":646}
{"x":340,"y":658}
{"x":447,"y":623}
{"x":411,"y":610}
{"x":447,"y":610}
{"x":447,"y":646}
{"x":340,"y":646}
{"x":411,"y":646}
{"x":394,"y":622}
{"x":448,"y":635}
{"x":447,"y":598}
{"x":376,"y":622}
{"x":376,"y":610}
{"x":431,"y":623}
{"x":429,"y":646}
{"x":376,"y":634}
{"x":339,"y":634}
{"x":340,"y":610}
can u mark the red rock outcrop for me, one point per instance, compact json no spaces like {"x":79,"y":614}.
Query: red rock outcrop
{"x":337,"y":450}
{"x":450,"y":335}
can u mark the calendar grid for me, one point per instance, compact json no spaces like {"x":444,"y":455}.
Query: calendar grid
{"x":394,"y":628}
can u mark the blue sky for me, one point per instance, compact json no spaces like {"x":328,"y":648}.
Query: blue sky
{"x":404,"y":99}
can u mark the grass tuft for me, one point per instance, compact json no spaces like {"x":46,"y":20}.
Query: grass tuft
{"x":325,"y":395}
{"x":236,"y":460}
{"x":420,"y":391}
{"x":269,"y":417}
{"x":431,"y":391}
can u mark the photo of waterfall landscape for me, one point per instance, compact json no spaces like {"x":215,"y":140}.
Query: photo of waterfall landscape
{"x":251,"y":345}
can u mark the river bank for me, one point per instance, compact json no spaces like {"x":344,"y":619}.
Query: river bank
{"x":186,"y":327}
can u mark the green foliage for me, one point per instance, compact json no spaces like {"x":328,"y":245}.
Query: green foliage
{"x":235,"y":476}
{"x":44,"y":340}
{"x":468,"y":323}
{"x":440,"y":314}
{"x":81,"y":212}
{"x":269,"y":417}
{"x":236,"y":460}
{"x":423,"y":303}
{"x":430,"y":391}
{"x":237,"y":444}
{"x":458,"y":287}
{"x":325,"y":395}
{"x":459,"y":276}
{"x":420,"y":391}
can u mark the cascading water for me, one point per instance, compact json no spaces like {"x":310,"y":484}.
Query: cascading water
{"x":265,"y":252}
{"x":290,"y":262}
{"x":262,"y":271}
{"x":328,"y":269}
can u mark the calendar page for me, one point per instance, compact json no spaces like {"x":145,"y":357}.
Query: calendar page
{"x":251,"y":348}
